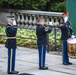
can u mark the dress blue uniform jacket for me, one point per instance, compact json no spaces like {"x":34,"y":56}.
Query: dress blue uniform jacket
{"x":41,"y":32}
{"x":11,"y":32}
{"x":66,"y":30}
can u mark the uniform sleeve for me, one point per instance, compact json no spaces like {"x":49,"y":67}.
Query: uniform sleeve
{"x":46,"y":29}
{"x":71,"y":30}
{"x":11,"y":30}
{"x":62,"y":25}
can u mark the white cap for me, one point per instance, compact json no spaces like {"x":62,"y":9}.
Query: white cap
{"x":10,"y":18}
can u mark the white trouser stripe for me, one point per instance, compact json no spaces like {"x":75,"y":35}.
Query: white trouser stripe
{"x":42,"y":57}
{"x":11,"y":61}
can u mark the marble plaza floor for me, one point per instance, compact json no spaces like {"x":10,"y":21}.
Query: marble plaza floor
{"x":27,"y":62}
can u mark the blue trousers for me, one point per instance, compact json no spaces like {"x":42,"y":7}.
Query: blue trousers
{"x":11,"y":60}
{"x":65,"y":51}
{"x":42,"y":55}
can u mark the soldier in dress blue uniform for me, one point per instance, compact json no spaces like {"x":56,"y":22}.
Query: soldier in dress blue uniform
{"x":41,"y":32}
{"x":11,"y":30}
{"x":66,"y":32}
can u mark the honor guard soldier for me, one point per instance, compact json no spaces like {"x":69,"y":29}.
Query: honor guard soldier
{"x":41,"y":32}
{"x":11,"y":30}
{"x":66,"y":32}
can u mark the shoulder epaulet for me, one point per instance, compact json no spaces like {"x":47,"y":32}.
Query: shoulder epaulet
{"x":8,"y":26}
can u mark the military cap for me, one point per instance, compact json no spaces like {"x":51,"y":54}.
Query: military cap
{"x":10,"y":17}
{"x":39,"y":19}
{"x":65,"y":13}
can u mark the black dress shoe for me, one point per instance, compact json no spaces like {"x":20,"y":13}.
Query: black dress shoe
{"x":43,"y":68}
{"x":13,"y":72}
{"x":67,"y":63}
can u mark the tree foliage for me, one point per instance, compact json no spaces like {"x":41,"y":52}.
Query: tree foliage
{"x":59,"y":7}
{"x":45,"y":5}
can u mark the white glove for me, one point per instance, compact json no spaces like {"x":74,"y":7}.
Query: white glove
{"x":14,"y":22}
{"x":56,"y":24}
{"x":72,"y":36}
{"x":50,"y":23}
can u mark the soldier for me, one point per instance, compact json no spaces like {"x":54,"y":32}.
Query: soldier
{"x":41,"y":32}
{"x":66,"y":32}
{"x":11,"y":30}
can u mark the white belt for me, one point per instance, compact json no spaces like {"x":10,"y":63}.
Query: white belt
{"x":11,"y":37}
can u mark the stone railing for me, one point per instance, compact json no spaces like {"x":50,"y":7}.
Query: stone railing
{"x":27,"y":18}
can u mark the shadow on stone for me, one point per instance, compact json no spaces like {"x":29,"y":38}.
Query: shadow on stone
{"x":25,"y":74}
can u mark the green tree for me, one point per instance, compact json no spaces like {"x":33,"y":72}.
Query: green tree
{"x":45,"y":5}
{"x":58,"y":7}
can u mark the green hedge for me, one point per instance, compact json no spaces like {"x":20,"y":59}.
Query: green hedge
{"x":26,"y":33}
